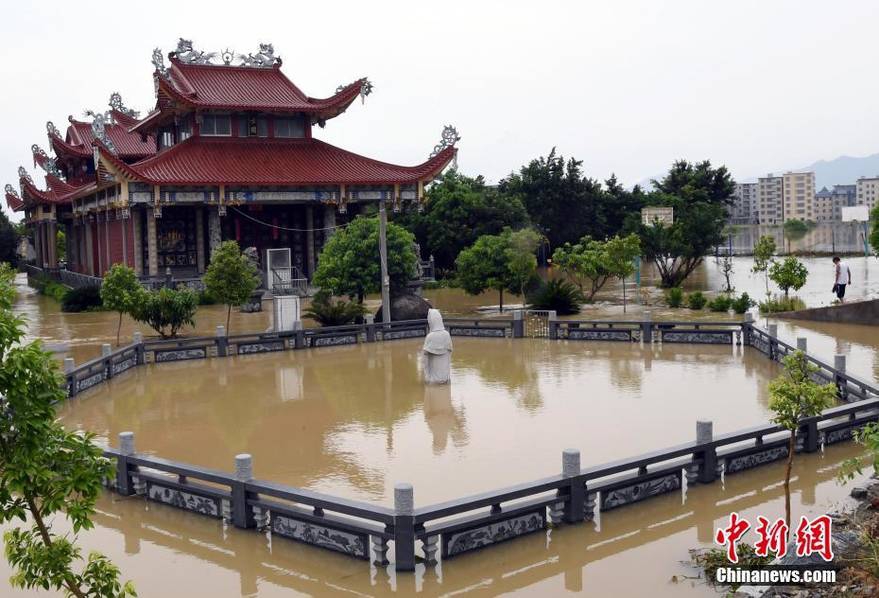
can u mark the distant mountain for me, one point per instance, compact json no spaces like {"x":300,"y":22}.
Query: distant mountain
{"x":843,"y":170}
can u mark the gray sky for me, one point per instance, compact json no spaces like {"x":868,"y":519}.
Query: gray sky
{"x":626,"y":86}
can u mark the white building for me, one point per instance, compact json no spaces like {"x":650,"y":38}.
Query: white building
{"x":744,"y":209}
{"x":868,"y":191}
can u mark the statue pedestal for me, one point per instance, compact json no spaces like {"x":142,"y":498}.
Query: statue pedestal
{"x":286,"y":313}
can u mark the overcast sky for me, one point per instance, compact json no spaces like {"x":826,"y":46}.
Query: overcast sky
{"x":625,"y":86}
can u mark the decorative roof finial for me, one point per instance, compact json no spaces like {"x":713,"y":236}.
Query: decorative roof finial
{"x":10,"y":190}
{"x":159,"y":62}
{"x":264,"y":58}
{"x":99,"y":129}
{"x":186,"y":54}
{"x":227,"y":56}
{"x":365,"y":90}
{"x":46,"y":163}
{"x":117,"y":105}
{"x":52,"y":130}
{"x":22,"y":174}
{"x":450,"y":137}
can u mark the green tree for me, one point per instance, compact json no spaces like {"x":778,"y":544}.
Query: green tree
{"x":9,"y":238}
{"x":789,"y":274}
{"x":120,"y":290}
{"x":764,"y":249}
{"x":596,"y":262}
{"x":874,"y":232}
{"x":166,"y":311}
{"x":231,"y":278}
{"x":349,"y":263}
{"x":700,"y":196}
{"x":457,"y":211}
{"x":499,"y":262}
{"x":792,"y":397}
{"x":60,"y":245}
{"x":45,"y":471}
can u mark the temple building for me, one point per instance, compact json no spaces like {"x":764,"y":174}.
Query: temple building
{"x":227,"y":153}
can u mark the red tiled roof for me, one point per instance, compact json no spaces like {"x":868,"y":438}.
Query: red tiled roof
{"x":128,"y":145}
{"x":14,"y":202}
{"x":57,"y":191}
{"x":254,"y":161}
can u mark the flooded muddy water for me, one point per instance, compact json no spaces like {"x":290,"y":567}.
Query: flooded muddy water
{"x":355,"y":420}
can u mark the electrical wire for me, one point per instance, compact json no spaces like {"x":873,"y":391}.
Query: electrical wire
{"x":293,"y":230}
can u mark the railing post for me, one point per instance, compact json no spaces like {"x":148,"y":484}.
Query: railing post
{"x":519,"y":323}
{"x":708,"y":454}
{"x":802,"y":344}
{"x":841,"y":383}
{"x":138,"y":341}
{"x":404,"y":527}
{"x":746,"y":329}
{"x":647,"y":327}
{"x":222,"y":341}
{"x":370,"y":327}
{"x":106,"y":349}
{"x":242,"y":514}
{"x":553,"y":325}
{"x":576,"y":489}
{"x":809,"y":433}
{"x":773,"y":341}
{"x":70,"y":380}
{"x":124,"y":485}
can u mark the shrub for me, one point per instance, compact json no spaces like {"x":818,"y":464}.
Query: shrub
{"x":119,"y":289}
{"x":696,"y":300}
{"x":166,"y":311}
{"x":779,"y":304}
{"x":82,"y":299}
{"x":721,"y":303}
{"x":558,"y":295}
{"x":742,"y":303}
{"x":48,"y":287}
{"x":205,"y":298}
{"x":327,"y":312}
{"x":675,"y":297}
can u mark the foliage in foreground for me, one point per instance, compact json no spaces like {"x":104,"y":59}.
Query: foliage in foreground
{"x":558,"y":295}
{"x":166,"y":311}
{"x":793,"y":396}
{"x":868,"y":436}
{"x":329,"y":312}
{"x":779,"y":304}
{"x":45,"y":472}
{"x":230,"y":278}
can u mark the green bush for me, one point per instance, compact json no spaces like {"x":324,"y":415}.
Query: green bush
{"x":166,"y":311}
{"x":205,"y":298}
{"x":779,"y":304}
{"x":721,"y":303}
{"x":742,"y":303}
{"x":327,"y":312}
{"x":82,"y":299}
{"x":48,"y":287}
{"x":696,"y":300}
{"x":559,"y":295}
{"x":675,"y":297}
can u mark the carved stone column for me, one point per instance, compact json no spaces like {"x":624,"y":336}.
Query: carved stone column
{"x":137,"y":224}
{"x":309,"y":240}
{"x":89,"y":247}
{"x":329,"y":222}
{"x":214,"y":231}
{"x":199,"y":239}
{"x":152,"y":244}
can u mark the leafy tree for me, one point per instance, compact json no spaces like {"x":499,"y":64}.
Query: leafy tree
{"x":789,"y":274}
{"x":457,"y":211}
{"x":700,"y":196}
{"x":120,"y":289}
{"x":349,"y":263}
{"x":499,"y":262}
{"x":596,"y":262}
{"x":45,"y":470}
{"x":9,"y":238}
{"x":60,"y":245}
{"x":727,"y":269}
{"x":874,"y":233}
{"x":792,"y":397}
{"x":327,"y":312}
{"x":230,"y":278}
{"x":764,"y":249}
{"x":166,"y":311}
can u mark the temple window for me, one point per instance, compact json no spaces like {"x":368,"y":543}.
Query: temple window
{"x":289,"y":127}
{"x":166,"y":139}
{"x":216,"y":125}
{"x":184,"y":130}
{"x":252,"y":126}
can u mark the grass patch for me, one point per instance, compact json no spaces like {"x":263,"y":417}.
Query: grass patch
{"x":780,"y":303}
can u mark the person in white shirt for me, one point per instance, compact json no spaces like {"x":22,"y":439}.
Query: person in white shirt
{"x":843,"y":278}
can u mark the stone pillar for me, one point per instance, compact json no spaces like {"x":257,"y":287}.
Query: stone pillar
{"x":69,"y":365}
{"x":577,"y":490}
{"x":52,"y":234}
{"x":89,"y":247}
{"x":109,"y":260}
{"x":38,"y":242}
{"x":708,"y":455}
{"x":152,"y":244}
{"x":802,"y":343}
{"x":124,"y":483}
{"x":329,"y":222}
{"x":404,"y":527}
{"x":841,"y":383}
{"x":215,"y":236}
{"x":199,"y":239}
{"x":242,"y":514}
{"x":309,"y":240}
{"x":137,"y":222}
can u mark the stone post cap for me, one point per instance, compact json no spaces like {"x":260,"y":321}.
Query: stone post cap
{"x":243,"y":467}
{"x":749,"y":317}
{"x":404,"y":499}
{"x":704,"y":431}
{"x":69,"y":364}
{"x":126,"y":443}
{"x":106,"y":349}
{"x":369,"y":318}
{"x":648,"y":315}
{"x":138,"y":337}
{"x":553,"y":315}
{"x":570,"y":462}
{"x":839,"y":362}
{"x":221,"y":330}
{"x":518,"y":314}
{"x":802,"y":343}
{"x":773,"y":330}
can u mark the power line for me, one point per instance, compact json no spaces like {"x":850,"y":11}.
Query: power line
{"x":294,"y":230}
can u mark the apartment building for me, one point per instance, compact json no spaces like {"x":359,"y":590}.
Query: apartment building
{"x":770,"y":196}
{"x":744,"y":209}
{"x":798,"y":196}
{"x":868,"y":191}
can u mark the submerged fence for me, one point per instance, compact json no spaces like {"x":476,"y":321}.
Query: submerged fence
{"x":445,"y":530}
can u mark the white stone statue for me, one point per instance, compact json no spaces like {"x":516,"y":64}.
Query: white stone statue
{"x":437,"y":350}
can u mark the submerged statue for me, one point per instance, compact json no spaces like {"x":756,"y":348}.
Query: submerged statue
{"x":437,"y":350}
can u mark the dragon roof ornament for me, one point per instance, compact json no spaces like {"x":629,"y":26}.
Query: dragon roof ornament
{"x":366,"y":88}
{"x":117,"y":105}
{"x":264,"y":57}
{"x":48,"y":163}
{"x":10,"y":190}
{"x":99,"y":129}
{"x":52,"y":130}
{"x":186,"y":54}
{"x":22,"y":174}
{"x":159,"y":62}
{"x":449,"y":138}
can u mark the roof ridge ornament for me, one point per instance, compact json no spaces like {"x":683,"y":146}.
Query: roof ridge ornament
{"x":449,"y":138}
{"x":10,"y":190}
{"x":117,"y":105}
{"x":99,"y":129}
{"x":48,"y":163}
{"x":23,"y":174}
{"x":159,"y":62}
{"x":52,"y":130}
{"x":186,"y":54}
{"x":264,"y":58}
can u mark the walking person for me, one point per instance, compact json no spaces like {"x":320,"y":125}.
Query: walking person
{"x":842,"y":278}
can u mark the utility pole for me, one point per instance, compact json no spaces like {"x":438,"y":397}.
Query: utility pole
{"x":383,"y":257}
